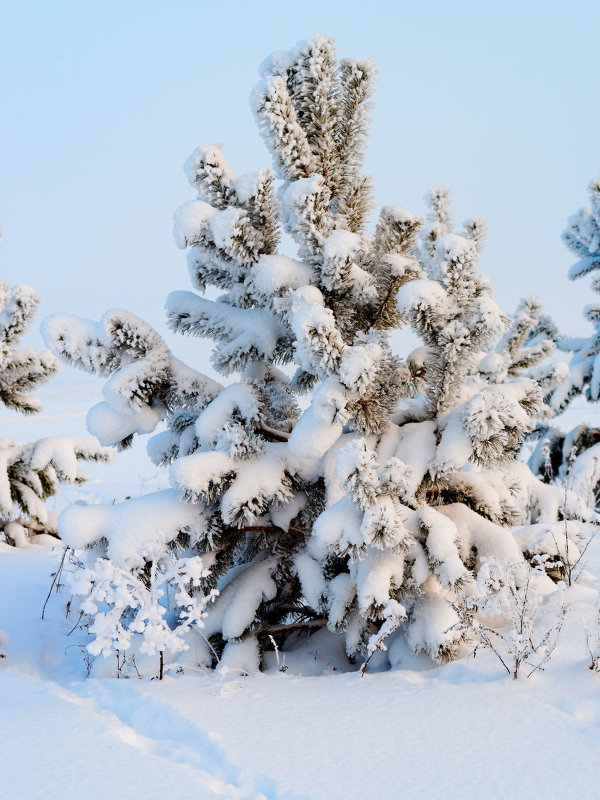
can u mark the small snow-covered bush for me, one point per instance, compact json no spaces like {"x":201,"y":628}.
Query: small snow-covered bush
{"x":505,"y":616}
{"x":122,"y":603}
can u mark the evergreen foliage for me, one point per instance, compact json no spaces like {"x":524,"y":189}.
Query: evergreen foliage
{"x":371,"y":508}
{"x":574,"y":457}
{"x":30,"y":473}
{"x":527,"y":349}
{"x":410,"y":514}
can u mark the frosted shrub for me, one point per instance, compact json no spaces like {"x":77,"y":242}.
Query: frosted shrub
{"x":505,"y":616}
{"x":128,"y":608}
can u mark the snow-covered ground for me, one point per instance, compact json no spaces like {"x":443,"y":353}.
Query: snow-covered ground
{"x":460,"y":731}
{"x":318,"y":730}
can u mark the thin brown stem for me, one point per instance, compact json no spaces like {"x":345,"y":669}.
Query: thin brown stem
{"x":272,"y":433}
{"x":56,"y":576}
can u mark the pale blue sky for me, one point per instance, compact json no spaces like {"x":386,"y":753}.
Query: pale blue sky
{"x":103,"y":101}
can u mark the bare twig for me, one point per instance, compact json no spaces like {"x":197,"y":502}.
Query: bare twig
{"x":272,"y":433}
{"x":56,"y":576}
{"x":393,"y":618}
{"x":595,"y":650}
{"x":76,"y":624}
{"x":281,"y":667}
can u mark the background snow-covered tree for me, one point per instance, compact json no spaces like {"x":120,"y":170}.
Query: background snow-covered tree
{"x":31,"y":472}
{"x":327,"y":515}
{"x":574,"y":457}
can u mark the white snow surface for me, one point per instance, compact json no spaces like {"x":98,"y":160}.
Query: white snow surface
{"x":318,"y":731}
{"x":276,"y":272}
{"x":315,"y":732}
{"x":190,"y":220}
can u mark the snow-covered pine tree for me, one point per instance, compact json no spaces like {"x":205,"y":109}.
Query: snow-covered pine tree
{"x":410,"y":513}
{"x":31,"y":472}
{"x":250,"y":494}
{"x":302,"y":519}
{"x":574,"y":457}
